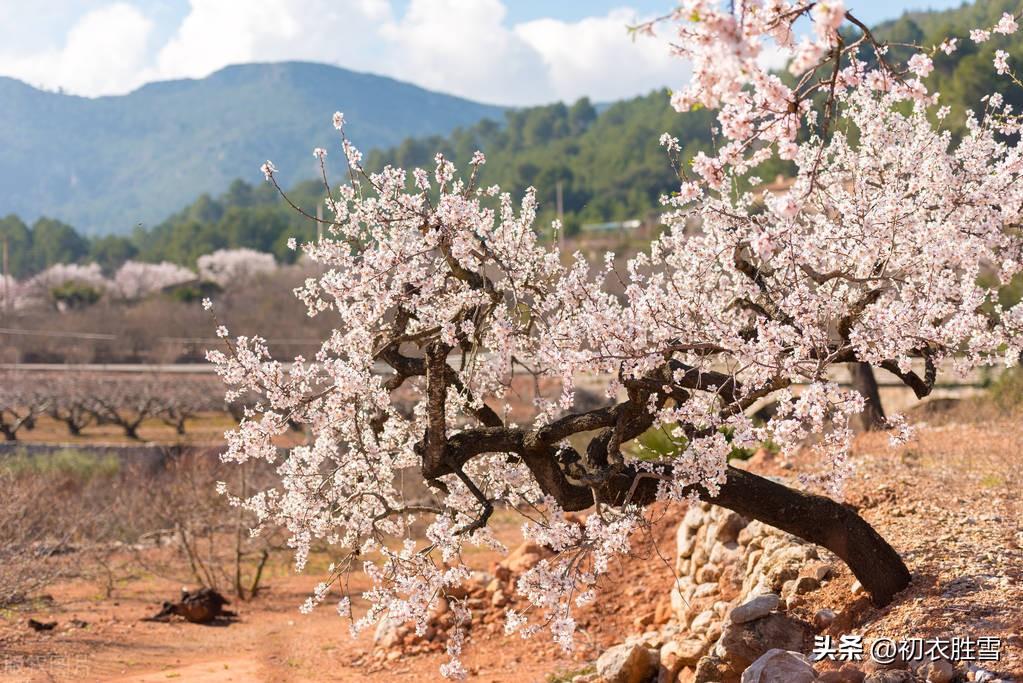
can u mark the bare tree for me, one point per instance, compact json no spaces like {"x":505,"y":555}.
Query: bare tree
{"x":184,"y":400}
{"x":71,"y":401}
{"x":126,"y":403}
{"x":20,"y":404}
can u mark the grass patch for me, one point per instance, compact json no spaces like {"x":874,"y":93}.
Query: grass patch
{"x":566,"y":676}
{"x":990,"y":481}
{"x":68,"y":462}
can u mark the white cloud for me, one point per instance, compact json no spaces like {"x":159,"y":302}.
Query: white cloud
{"x":463,"y":47}
{"x":106,"y":51}
{"x":216,"y":33}
{"x":597,"y":57}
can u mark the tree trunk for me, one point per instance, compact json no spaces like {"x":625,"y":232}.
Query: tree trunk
{"x":822,"y":521}
{"x":865,"y":383}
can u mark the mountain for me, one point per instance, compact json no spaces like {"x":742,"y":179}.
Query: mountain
{"x":107,"y":164}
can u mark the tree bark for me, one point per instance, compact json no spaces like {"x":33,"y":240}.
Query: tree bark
{"x":865,"y":384}
{"x":810,"y":517}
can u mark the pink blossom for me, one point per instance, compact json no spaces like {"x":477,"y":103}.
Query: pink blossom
{"x":1001,"y":61}
{"x":1006,"y":25}
{"x":921,"y":65}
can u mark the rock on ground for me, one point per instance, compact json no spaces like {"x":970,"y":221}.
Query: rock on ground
{"x":741,"y":644}
{"x":628,"y":664}
{"x":780,"y":666}
{"x":760,"y":606}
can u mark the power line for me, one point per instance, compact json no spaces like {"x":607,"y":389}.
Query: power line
{"x":53,"y":333}
{"x":111,"y":337}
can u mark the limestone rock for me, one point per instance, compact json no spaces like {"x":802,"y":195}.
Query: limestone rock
{"x":689,"y":650}
{"x":891,"y":676}
{"x":729,"y":527}
{"x":760,"y":606}
{"x":628,"y":664}
{"x":779,"y":666}
{"x":711,"y":669}
{"x":741,"y":644}
{"x":703,"y":621}
{"x":523,"y":558}
{"x":937,"y":671}
{"x":679,"y":654}
{"x":805,"y":584}
{"x":387,"y":634}
{"x":823,"y":618}
{"x":847,"y":674}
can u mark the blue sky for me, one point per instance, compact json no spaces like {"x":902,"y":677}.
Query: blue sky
{"x":516,"y":52}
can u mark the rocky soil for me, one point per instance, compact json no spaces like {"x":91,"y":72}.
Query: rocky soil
{"x":705,"y":596}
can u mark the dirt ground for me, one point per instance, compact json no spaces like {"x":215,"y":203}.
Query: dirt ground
{"x":948,"y":501}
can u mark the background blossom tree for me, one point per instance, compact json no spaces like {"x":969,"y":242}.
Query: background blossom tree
{"x":136,"y":280}
{"x":230,"y":266}
{"x":873,"y":255}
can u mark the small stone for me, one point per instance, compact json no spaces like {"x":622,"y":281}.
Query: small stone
{"x":805,"y":584}
{"x":689,"y":650}
{"x":627,"y":664}
{"x":643,"y":620}
{"x":710,"y":669}
{"x":708,"y":573}
{"x":937,"y":671}
{"x":845,"y":675}
{"x":823,"y":618}
{"x":703,"y":621}
{"x":677,"y":655}
{"x":891,"y":676}
{"x":728,"y":528}
{"x":856,"y":588}
{"x":662,"y":612}
{"x":499,"y":599}
{"x":725,"y":553}
{"x":759,"y":606}
{"x":705,"y":590}
{"x":872,"y":665}
{"x":523,"y":558}
{"x":818,"y":570}
{"x":779,"y":666}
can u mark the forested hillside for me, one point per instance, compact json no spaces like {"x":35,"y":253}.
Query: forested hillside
{"x":107,"y":164}
{"x":608,"y":162}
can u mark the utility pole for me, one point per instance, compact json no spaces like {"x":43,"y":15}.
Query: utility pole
{"x":4,"y":275}
{"x":319,"y":222}
{"x":561,"y":217}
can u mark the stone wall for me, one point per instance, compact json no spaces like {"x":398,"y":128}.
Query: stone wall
{"x":732,"y":615}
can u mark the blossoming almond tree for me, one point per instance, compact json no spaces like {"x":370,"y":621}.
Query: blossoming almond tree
{"x":226,"y":266}
{"x":442,"y":291}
